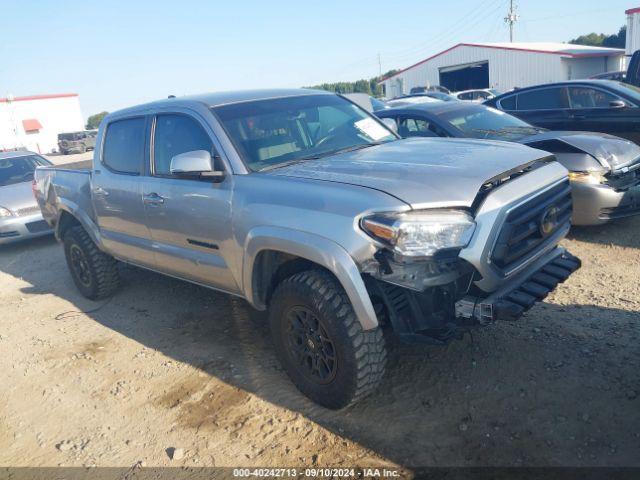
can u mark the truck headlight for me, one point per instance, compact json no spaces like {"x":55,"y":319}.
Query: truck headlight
{"x":421,"y":233}
{"x":593,"y":178}
{"x":5,"y":212}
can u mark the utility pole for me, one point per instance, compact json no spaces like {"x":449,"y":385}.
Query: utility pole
{"x":511,"y":19}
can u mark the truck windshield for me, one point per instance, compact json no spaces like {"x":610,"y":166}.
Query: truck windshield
{"x":276,"y":132}
{"x":19,"y":169}
{"x":486,"y":122}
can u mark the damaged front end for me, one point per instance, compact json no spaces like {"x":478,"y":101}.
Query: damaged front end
{"x":492,"y":265}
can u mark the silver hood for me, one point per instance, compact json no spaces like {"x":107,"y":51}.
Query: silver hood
{"x":611,"y":152}
{"x":17,"y":196}
{"x":423,"y":172}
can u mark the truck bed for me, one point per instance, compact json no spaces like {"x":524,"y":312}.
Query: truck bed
{"x":62,"y":187}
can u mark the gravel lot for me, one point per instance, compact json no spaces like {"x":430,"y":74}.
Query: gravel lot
{"x":165,"y":364}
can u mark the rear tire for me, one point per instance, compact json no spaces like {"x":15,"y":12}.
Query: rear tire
{"x":94,"y":272}
{"x":321,"y":344}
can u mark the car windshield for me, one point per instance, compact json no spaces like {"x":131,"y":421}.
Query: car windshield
{"x":19,"y":169}
{"x":486,"y":122}
{"x":277,"y":132}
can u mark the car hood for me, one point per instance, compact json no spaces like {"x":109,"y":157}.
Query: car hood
{"x":610,"y":151}
{"x":17,"y":196}
{"x":422,"y":172}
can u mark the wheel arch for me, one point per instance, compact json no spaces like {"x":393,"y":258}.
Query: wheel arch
{"x":69,"y":215}
{"x":272,"y":253}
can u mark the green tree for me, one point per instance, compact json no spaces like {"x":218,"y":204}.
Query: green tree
{"x":616,"y":40}
{"x":370,"y":86}
{"x":94,"y":120}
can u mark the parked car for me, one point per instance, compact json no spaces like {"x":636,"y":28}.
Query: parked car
{"x":76,"y":142}
{"x":604,"y":170}
{"x":588,"y":105}
{"x":476,"y":95}
{"x":304,"y":204}
{"x":20,"y":216}
{"x":445,"y":97}
{"x":618,"y":75}
{"x":432,"y":88}
{"x":410,"y":100}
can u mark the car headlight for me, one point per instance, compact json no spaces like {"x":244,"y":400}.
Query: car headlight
{"x":421,"y":233}
{"x":5,"y":212}
{"x":587,"y":177}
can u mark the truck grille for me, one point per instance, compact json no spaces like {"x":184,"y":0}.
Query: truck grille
{"x":529,"y":227}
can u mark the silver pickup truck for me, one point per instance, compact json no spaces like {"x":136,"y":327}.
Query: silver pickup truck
{"x":305,"y":205}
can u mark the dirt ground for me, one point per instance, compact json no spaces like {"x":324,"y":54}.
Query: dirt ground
{"x":165,"y":364}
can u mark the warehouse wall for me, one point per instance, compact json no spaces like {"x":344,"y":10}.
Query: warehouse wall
{"x":56,"y":115}
{"x":633,"y":33}
{"x":507,"y":68}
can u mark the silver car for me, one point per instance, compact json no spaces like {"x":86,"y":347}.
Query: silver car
{"x":20,"y":216}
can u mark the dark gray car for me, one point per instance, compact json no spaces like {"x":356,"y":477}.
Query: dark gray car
{"x":604,"y":169}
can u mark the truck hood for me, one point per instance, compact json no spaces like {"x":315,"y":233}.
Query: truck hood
{"x":611,"y":152}
{"x":422,"y":172}
{"x":17,"y":196}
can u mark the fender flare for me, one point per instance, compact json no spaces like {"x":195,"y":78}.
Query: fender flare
{"x":317,"y":249}
{"x":67,"y":206}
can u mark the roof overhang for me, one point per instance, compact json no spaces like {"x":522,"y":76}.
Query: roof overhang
{"x":38,"y":97}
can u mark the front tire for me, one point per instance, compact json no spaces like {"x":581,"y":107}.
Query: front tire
{"x":321,"y":344}
{"x":94,"y":272}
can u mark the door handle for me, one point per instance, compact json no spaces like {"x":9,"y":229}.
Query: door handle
{"x":152,"y":199}
{"x":577,"y":116}
{"x":100,"y":191}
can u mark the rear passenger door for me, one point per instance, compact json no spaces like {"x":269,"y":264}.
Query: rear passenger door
{"x":116,"y":190}
{"x":546,"y":107}
{"x":189,"y":218}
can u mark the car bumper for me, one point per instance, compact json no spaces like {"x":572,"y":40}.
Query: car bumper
{"x":14,"y":229}
{"x":595,"y":204}
{"x":522,"y":292}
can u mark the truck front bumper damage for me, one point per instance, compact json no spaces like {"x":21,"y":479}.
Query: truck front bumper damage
{"x":439,"y":314}
{"x":521,"y":293}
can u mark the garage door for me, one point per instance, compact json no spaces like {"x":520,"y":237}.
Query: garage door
{"x":465,"y":77}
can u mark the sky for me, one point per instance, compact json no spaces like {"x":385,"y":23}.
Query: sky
{"x":116,"y":53}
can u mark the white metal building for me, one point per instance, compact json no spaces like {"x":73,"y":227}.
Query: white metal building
{"x":34,"y":122}
{"x":633,"y":30}
{"x":505,"y":66}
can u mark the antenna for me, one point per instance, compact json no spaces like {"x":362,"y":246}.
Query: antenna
{"x":511,"y":18}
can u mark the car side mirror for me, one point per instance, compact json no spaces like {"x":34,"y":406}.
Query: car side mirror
{"x":617,"y":104}
{"x":391,"y":124}
{"x":196,"y":163}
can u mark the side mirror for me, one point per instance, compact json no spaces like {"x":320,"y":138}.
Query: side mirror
{"x":391,"y":124}
{"x":617,"y":104}
{"x":195,"y":163}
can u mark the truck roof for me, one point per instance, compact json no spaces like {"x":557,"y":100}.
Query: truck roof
{"x":223,"y":98}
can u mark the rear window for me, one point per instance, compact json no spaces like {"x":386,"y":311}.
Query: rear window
{"x":543,"y":99}
{"x":67,"y":136}
{"x":124,"y":145}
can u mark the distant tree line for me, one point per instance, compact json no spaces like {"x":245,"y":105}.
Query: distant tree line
{"x":616,"y":40}
{"x":369,"y":87}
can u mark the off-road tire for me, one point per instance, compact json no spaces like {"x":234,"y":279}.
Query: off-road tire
{"x":360,"y":354}
{"x":100,"y":277}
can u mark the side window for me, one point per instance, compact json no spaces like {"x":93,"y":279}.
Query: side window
{"x":585,"y":97}
{"x":176,"y":134}
{"x":466,"y":96}
{"x":124,"y":145}
{"x":543,"y":99}
{"x":508,"y":103}
{"x":417,"y":127}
